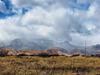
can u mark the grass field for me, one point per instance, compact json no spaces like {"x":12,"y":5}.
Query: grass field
{"x":58,"y":65}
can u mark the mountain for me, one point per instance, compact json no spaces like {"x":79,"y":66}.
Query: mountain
{"x":1,"y":44}
{"x":48,"y":52}
{"x":7,"y":52}
{"x":38,"y":44}
{"x":67,"y":45}
{"x":52,"y":52}
{"x":59,"y":49}
{"x":77,"y":51}
{"x":94,"y":49}
{"x":44,"y":44}
{"x":21,"y":44}
{"x":29,"y":53}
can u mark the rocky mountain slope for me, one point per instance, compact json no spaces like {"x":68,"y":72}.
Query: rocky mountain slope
{"x":43,"y":44}
{"x":48,"y":52}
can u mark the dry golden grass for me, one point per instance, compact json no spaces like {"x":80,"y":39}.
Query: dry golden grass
{"x":58,"y":65}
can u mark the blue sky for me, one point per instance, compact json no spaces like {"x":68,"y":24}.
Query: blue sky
{"x":9,"y":7}
{"x":71,"y":20}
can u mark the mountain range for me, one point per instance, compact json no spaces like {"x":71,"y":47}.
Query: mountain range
{"x":44,"y":44}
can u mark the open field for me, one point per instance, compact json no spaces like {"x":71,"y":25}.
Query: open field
{"x":58,"y":65}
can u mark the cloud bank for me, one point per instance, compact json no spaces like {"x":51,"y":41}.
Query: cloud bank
{"x":71,"y":20}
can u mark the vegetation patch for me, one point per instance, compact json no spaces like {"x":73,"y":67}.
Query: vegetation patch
{"x":60,"y":65}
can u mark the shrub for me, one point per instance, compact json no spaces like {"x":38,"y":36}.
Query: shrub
{"x":3,"y":52}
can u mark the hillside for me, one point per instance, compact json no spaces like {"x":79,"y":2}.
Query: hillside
{"x":7,"y":52}
{"x":94,"y":49}
{"x":48,"y":52}
{"x":43,"y":44}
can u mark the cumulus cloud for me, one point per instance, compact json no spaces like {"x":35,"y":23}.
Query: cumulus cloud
{"x":53,"y":19}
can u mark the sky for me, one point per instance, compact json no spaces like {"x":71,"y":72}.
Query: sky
{"x":71,"y":20}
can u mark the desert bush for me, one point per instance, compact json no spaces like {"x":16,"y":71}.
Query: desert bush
{"x":3,"y":52}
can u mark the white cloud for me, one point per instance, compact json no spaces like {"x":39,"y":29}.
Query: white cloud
{"x":92,"y":10}
{"x":54,"y":20}
{"x":90,"y":27}
{"x":37,"y":16}
{"x":44,"y":30}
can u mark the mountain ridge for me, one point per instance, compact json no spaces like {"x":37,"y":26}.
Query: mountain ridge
{"x":43,"y":44}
